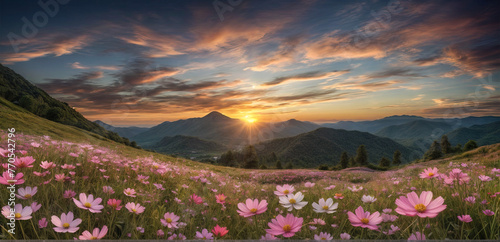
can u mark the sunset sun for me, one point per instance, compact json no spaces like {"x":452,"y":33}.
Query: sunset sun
{"x":249,"y":119}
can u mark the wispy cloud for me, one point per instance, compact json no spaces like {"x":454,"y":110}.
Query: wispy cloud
{"x":306,"y":76}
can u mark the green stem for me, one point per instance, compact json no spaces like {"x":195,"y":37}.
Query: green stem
{"x":22,"y":230}
{"x":34,"y":229}
{"x":8,"y":232}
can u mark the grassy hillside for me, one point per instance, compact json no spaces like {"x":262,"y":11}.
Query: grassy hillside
{"x":186,"y":146}
{"x":86,"y":163}
{"x":15,"y":89}
{"x":325,"y":145}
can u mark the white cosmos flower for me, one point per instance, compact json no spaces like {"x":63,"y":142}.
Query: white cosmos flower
{"x":368,"y":199}
{"x":291,"y":201}
{"x":325,"y":206}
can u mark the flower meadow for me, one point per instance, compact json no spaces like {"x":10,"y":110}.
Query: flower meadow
{"x":68,"y":190}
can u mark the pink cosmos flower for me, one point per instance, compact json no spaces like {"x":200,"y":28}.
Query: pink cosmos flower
{"x":488,"y":212}
{"x":345,"y":236}
{"x":96,"y":234}
{"x":47,"y":165}
{"x":6,"y":178}
{"x":3,"y":153}
{"x":485,"y":178}
{"x":89,"y":203}
{"x":69,"y":194}
{"x":177,"y":237}
{"x":416,"y":236}
{"x":20,"y":213}
{"x":309,"y":184}
{"x":465,"y":218}
{"x":108,"y":190}
{"x":221,"y":198}
{"x":24,"y":162}
{"x":204,"y":234}
{"x":35,"y":206}
{"x":160,"y":233}
{"x":364,"y":219}
{"x":284,"y":190}
{"x":286,"y":226}
{"x":129,"y":192}
{"x":338,"y":196}
{"x":429,"y":173}
{"x":26,"y":193}
{"x":422,"y":206}
{"x":268,"y":237}
{"x":114,"y":203}
{"x":220,"y":231}
{"x":66,"y":224}
{"x":196,"y":199}
{"x":250,"y":208}
{"x":61,"y":177}
{"x":42,"y":223}
{"x":323,"y":236}
{"x":170,"y":220}
{"x":135,"y":208}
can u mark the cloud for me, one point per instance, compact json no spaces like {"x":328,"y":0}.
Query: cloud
{"x":160,"y":45}
{"x":406,"y":72}
{"x":77,"y":65}
{"x":140,"y":71}
{"x":466,"y":107}
{"x":306,"y":76}
{"x":369,"y":86}
{"x":284,"y":54}
{"x":78,"y":84}
{"x":419,"y":97}
{"x":56,"y":45}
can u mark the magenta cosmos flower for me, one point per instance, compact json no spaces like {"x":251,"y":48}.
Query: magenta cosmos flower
{"x":114,"y":203}
{"x":89,"y":203}
{"x":251,"y":208}
{"x":6,"y":178}
{"x":465,"y":218}
{"x":429,"y":173}
{"x":170,"y":220}
{"x":220,"y":231}
{"x":66,"y":224}
{"x":416,"y":236}
{"x":422,"y":206}
{"x":284,"y":190}
{"x":24,"y":162}
{"x":364,"y":219}
{"x":285,"y":226}
{"x":20,"y":213}
{"x":204,"y":234}
{"x":96,"y":234}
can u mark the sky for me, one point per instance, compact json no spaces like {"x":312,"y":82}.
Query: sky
{"x":144,"y":62}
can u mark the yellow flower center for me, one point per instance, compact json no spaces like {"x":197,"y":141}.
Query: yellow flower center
{"x":169,"y":220}
{"x":133,"y":210}
{"x":287,"y":228}
{"x":87,"y":205}
{"x":17,"y":215}
{"x":286,"y":191}
{"x":253,"y":210}
{"x":323,"y":238}
{"x":420,"y":208}
{"x":27,"y":196}
{"x":66,"y":225}
{"x":365,"y":220}
{"x":292,"y":201}
{"x":430,"y":174}
{"x":93,"y":238}
{"x":325,"y":207}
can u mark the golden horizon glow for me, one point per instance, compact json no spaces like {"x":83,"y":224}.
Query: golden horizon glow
{"x":249,"y":119}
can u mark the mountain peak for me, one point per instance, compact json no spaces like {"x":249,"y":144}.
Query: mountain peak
{"x":214,"y":115}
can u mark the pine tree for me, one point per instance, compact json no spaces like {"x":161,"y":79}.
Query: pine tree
{"x":344,"y":160}
{"x":396,"y":159}
{"x":352,"y":162}
{"x":445,"y":145}
{"x":289,"y":166}
{"x":384,"y":162}
{"x":470,"y":145}
{"x":250,"y":160}
{"x":361,"y":155}
{"x":278,"y":165}
{"x":434,"y":151}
